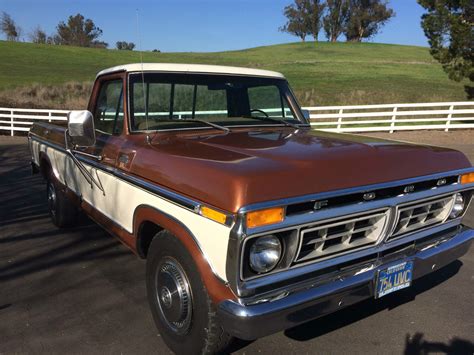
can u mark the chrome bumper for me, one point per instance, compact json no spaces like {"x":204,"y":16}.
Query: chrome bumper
{"x":311,"y":302}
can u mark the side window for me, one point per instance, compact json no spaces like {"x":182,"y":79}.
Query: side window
{"x":108,"y":115}
{"x":268,"y":100}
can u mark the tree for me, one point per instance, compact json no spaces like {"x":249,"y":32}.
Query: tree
{"x":366,"y":18}
{"x":126,"y":46}
{"x":448,"y":24}
{"x":9,"y":27}
{"x":304,"y":17}
{"x":79,"y":32}
{"x":312,"y":14}
{"x":296,"y":23}
{"x":336,"y":18}
{"x":38,"y":35}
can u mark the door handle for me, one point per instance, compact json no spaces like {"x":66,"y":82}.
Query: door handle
{"x":123,"y":158}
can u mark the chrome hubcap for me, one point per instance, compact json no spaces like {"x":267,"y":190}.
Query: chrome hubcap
{"x":173,"y":295}
{"x":52,"y":199}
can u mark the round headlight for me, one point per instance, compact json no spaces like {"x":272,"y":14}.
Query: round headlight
{"x":458,"y":206}
{"x":265,"y":253}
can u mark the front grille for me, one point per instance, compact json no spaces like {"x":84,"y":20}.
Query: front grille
{"x":342,"y":235}
{"x":420,"y":215}
{"x":380,"y":194}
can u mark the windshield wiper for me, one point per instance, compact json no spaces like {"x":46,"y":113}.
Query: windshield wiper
{"x":214,"y":125}
{"x":286,"y":123}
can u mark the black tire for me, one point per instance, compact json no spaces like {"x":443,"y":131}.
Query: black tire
{"x":194,"y":329}
{"x":62,"y":211}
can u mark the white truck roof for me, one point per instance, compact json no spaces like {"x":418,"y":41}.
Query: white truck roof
{"x":190,"y":68}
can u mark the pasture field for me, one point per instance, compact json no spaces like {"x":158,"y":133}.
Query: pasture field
{"x":320,"y":73}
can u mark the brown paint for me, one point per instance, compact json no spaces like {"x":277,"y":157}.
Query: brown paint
{"x":249,"y":166}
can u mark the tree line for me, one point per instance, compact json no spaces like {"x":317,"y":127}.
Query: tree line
{"x":75,"y":31}
{"x":355,"y":19}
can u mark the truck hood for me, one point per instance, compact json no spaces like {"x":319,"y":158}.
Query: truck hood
{"x":231,"y":170}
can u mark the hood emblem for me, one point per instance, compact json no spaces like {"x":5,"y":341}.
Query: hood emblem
{"x":441,"y":182}
{"x":320,"y":204}
{"x":409,"y":188}
{"x":368,"y":196}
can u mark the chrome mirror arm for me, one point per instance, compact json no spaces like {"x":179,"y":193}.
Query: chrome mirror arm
{"x":87,"y":175}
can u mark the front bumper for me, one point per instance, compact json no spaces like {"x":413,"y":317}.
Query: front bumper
{"x":314,"y":301}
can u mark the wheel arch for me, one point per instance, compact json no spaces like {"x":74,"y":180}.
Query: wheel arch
{"x":148,"y":221}
{"x":45,"y":166}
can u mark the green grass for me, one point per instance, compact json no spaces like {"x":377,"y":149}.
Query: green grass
{"x":320,"y":73}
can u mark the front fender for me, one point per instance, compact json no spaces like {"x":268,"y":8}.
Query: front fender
{"x":216,"y":287}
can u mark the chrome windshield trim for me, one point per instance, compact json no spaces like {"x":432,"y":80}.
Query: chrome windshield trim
{"x":300,"y":125}
{"x":358,"y":189}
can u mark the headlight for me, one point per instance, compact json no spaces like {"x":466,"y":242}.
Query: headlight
{"x":265,"y":253}
{"x":458,"y":206}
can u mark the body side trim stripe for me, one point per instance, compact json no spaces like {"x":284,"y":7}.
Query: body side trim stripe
{"x":162,"y":192}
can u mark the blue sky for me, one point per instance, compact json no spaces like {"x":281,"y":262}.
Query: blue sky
{"x":195,"y":25}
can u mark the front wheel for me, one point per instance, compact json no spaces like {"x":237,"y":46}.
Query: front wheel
{"x":183,"y":312}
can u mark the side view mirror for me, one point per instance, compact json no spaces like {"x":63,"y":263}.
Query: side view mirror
{"x":306,"y":114}
{"x":81,"y":128}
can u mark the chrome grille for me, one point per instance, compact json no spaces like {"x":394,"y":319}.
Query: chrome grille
{"x":340,"y":236}
{"x":419,"y":215}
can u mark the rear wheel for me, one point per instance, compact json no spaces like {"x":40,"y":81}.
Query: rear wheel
{"x":62,"y":211}
{"x":183,"y":312}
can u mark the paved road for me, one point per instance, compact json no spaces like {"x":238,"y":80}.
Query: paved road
{"x":80,"y":291}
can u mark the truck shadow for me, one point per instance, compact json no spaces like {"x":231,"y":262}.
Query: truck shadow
{"x":415,"y":345}
{"x":364,"y":309}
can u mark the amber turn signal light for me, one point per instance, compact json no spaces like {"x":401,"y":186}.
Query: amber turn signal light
{"x":213,"y":214}
{"x":265,"y":217}
{"x":467,"y":178}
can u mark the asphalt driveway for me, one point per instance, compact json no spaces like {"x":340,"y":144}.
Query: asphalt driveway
{"x":81,"y":291}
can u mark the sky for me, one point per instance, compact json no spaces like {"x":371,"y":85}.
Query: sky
{"x":194,"y":25}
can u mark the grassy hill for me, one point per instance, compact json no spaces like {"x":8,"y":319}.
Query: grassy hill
{"x":320,"y":73}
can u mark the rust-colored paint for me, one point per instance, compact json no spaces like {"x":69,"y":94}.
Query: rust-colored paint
{"x":217,"y":290}
{"x":248,"y":166}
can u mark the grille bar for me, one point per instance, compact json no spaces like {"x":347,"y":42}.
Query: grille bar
{"x":420,"y":215}
{"x":342,"y":235}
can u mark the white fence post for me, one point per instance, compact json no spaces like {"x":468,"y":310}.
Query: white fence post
{"x":394,"y":117}
{"x":11,"y":123}
{"x":339,"y":120}
{"x":49,"y":114}
{"x":450,"y":115}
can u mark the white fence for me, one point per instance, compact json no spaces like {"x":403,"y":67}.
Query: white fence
{"x":20,"y":119}
{"x":362,"y":118}
{"x":393,"y":117}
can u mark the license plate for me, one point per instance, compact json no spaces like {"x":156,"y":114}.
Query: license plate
{"x":394,"y":278}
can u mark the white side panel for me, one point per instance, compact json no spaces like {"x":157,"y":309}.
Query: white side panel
{"x":121,"y":198}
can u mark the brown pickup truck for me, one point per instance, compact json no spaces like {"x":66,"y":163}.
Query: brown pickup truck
{"x":250,"y":222}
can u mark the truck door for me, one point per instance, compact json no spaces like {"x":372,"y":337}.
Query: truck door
{"x":107,"y":106}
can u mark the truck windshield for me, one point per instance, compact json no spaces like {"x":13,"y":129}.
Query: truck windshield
{"x":173,"y":101}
